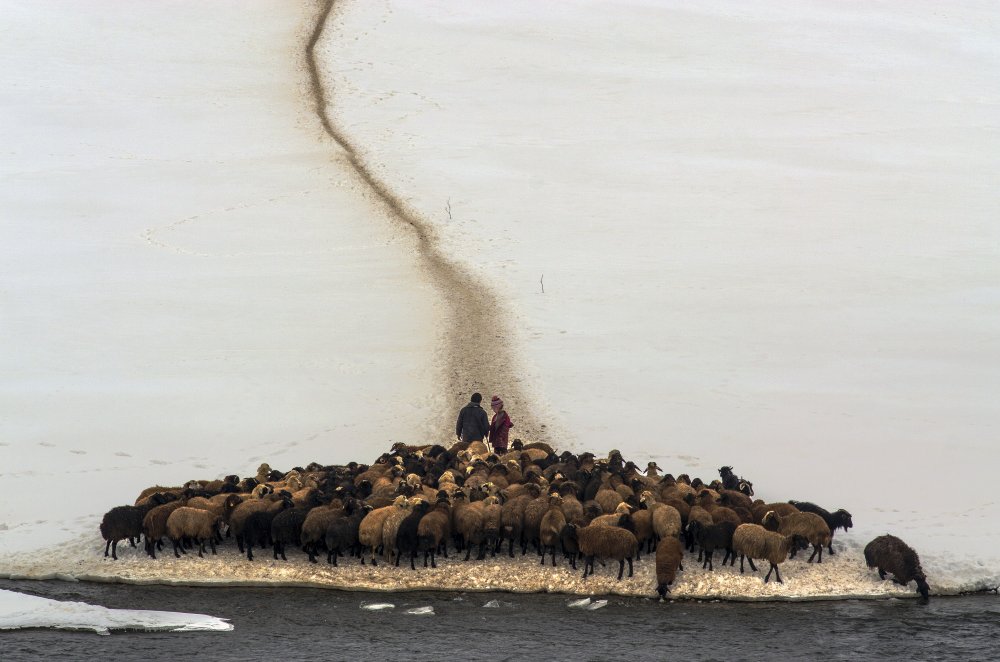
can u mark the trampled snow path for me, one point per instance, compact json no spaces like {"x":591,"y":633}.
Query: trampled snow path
{"x":479,"y":353}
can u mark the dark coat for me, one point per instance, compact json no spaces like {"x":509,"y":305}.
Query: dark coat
{"x":472,"y":423}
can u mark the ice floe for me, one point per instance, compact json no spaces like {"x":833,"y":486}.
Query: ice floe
{"x":19,"y":610}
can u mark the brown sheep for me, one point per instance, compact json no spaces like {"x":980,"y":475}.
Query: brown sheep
{"x":434,"y":529}
{"x":512,"y":517}
{"x":314,"y":528}
{"x":753,"y":541}
{"x":781,"y":509}
{"x":193,"y":523}
{"x":808,"y":526}
{"x":154,"y":525}
{"x":608,"y":499}
{"x":669,"y":555}
{"x":492,"y":513}
{"x":370,"y":530}
{"x":533,"y":513}
{"x":666,"y":520}
{"x":605,"y":542}
{"x":390,"y":528}
{"x":551,"y":527}
{"x":239,"y":514}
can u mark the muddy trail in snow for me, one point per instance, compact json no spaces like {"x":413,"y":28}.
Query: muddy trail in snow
{"x":476,"y":341}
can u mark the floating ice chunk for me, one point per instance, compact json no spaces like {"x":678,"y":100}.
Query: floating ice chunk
{"x":377,"y":606}
{"x":597,"y":605}
{"x":18,"y":610}
{"x":578,"y":603}
{"x":421,"y":611}
{"x":492,"y":604}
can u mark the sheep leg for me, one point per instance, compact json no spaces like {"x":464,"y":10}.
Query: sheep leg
{"x":816,"y":548}
{"x":482,"y":551}
{"x":212,"y":543}
{"x":553,"y":556}
{"x":629,"y":559}
{"x":114,"y":549}
{"x":249,"y":551}
{"x":433,"y":564}
{"x":176,"y":552}
{"x":708,"y":560}
{"x":881,"y":573}
{"x":413,"y":556}
{"x":621,"y":568}
{"x":107,"y":547}
{"x":283,"y":557}
{"x":468,"y":552}
{"x":752,"y":566}
{"x":201,"y":548}
{"x":777,"y":575}
{"x":542,"y":562}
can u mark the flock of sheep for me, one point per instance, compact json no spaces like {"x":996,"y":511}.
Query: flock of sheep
{"x":422,"y":500}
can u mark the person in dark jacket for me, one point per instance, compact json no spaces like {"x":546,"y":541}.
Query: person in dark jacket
{"x":500,"y":425}
{"x":472,"y":421}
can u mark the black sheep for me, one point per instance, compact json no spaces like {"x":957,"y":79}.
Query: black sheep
{"x":342,"y":532}
{"x":731,"y":481}
{"x":407,"y":540}
{"x":713,"y":537}
{"x":125,"y":522}
{"x":890,"y":554}
{"x":286,"y":527}
{"x":840,"y":519}
{"x":257,"y":528}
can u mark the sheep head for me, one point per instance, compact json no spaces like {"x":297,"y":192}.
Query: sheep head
{"x":771,"y":521}
{"x":844,"y":518}
{"x":922,"y":588}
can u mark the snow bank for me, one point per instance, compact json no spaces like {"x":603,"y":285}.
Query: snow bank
{"x":18,"y":610}
{"x":841,"y":576}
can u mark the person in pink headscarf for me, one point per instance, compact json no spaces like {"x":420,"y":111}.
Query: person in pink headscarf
{"x":499,"y":425}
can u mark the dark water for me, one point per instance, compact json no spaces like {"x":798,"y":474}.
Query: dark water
{"x":315,"y":624}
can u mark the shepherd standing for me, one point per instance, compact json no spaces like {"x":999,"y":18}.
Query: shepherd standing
{"x":499,"y":426}
{"x":472,"y":423}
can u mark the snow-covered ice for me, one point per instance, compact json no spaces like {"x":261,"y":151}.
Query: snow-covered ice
{"x":19,"y":610}
{"x":764,"y":230}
